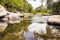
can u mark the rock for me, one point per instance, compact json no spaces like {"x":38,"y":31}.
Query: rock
{"x":8,"y":17}
{"x":55,"y":32}
{"x":54,"y":19}
{"x":3,"y":14}
{"x":2,"y":11}
{"x":3,"y":19}
{"x":14,"y":17}
{"x":3,"y":26}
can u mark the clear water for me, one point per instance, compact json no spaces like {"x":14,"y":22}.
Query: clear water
{"x":41,"y":28}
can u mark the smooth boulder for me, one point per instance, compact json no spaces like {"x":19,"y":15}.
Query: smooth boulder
{"x":14,"y":17}
{"x":3,"y":18}
{"x":54,"y":20}
{"x":8,"y":17}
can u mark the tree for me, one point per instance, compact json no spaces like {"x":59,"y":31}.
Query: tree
{"x":49,"y":3}
{"x":56,"y":7}
{"x":41,"y":9}
{"x":18,"y":5}
{"x":27,"y":7}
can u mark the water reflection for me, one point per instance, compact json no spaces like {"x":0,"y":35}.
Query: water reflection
{"x":39,"y":24}
{"x":38,"y":27}
{"x":29,"y":36}
{"x":39,"y":18}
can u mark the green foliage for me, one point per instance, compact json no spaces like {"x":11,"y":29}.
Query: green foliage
{"x":49,"y":3}
{"x":27,"y":7}
{"x":56,"y":8}
{"x":41,"y":9}
{"x":19,"y":5}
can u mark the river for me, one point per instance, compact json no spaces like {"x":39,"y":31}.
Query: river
{"x":39,"y":26}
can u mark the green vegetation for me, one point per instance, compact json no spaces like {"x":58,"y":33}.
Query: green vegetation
{"x":42,"y":9}
{"x":56,"y":8}
{"x":19,"y":5}
{"x":23,"y":5}
{"x":17,"y":27}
